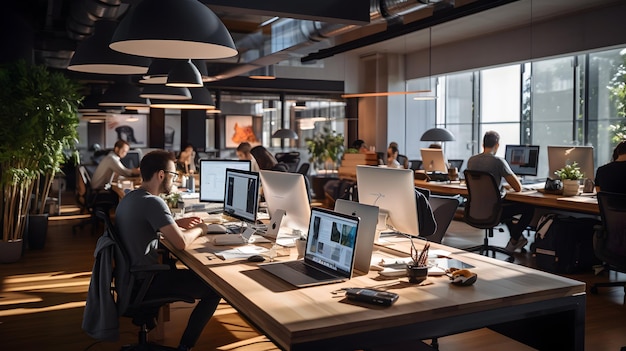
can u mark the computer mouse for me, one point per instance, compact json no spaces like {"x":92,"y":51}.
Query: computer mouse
{"x":215,"y":228}
{"x":256,"y":258}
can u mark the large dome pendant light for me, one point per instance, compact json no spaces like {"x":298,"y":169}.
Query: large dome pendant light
{"x":180,"y":29}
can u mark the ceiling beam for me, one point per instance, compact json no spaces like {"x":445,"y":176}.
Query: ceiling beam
{"x":355,"y":12}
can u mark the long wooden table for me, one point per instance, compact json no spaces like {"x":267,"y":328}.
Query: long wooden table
{"x":582,"y":204}
{"x":517,"y":301}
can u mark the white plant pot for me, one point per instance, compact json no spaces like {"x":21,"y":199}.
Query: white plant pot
{"x":570,"y":187}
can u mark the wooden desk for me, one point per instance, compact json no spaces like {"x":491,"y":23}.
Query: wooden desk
{"x":582,"y":204}
{"x":514,"y":300}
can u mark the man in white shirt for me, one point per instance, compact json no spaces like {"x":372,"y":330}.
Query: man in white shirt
{"x":110,"y":165}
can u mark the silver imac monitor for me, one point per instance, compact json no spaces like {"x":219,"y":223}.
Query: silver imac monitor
{"x":288,"y":192}
{"x":241,"y":199}
{"x":559,"y":156}
{"x":393,"y":191}
{"x":213,"y":177}
{"x":433,"y":160}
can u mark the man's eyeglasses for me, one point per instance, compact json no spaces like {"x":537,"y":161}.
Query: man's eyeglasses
{"x":174,"y":174}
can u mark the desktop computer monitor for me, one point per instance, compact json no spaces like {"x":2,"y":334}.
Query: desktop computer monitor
{"x":213,"y":177}
{"x":523,"y":159}
{"x":393,"y":191}
{"x":433,"y":160}
{"x":132,"y":158}
{"x":288,"y":192}
{"x":559,"y":156}
{"x":241,"y":191}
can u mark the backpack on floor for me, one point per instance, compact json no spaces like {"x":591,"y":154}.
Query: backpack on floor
{"x":564,"y":244}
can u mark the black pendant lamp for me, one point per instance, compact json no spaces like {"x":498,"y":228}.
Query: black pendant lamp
{"x":184,"y":74}
{"x":160,"y":68}
{"x":93,"y":54}
{"x":181,"y":29}
{"x":123,"y":93}
{"x":157,"y":91}
{"x":201,"y":99}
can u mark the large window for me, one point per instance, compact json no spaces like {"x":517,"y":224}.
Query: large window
{"x":570,"y":100}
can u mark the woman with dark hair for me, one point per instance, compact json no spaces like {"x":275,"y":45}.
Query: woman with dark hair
{"x":186,"y":162}
{"x":263,"y":157}
{"x":610,"y":177}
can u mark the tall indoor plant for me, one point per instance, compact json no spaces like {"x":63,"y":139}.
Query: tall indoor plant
{"x":326,"y":149}
{"x":39,"y":119}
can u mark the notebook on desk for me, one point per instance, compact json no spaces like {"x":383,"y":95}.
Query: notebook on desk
{"x":329,"y":254}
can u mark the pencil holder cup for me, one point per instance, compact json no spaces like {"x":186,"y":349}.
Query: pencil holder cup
{"x":416,"y":274}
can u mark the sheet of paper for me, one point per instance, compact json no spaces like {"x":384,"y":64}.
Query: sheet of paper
{"x":241,"y":252}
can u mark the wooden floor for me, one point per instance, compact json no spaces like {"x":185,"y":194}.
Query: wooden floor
{"x":42,"y":297}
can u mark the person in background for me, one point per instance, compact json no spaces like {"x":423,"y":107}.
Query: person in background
{"x":402,"y":159}
{"x":186,"y":163}
{"x":263,"y":157}
{"x":140,"y":216}
{"x":610,"y":177}
{"x":361,"y":146}
{"x":392,"y":155}
{"x":111,"y":165}
{"x":487,"y":161}
{"x":243,"y":153}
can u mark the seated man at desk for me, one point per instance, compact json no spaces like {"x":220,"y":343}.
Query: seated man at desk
{"x":487,"y":161}
{"x":111,"y":164}
{"x":140,"y":215}
{"x":610,"y":177}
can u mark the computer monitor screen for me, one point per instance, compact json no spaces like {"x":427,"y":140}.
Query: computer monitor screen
{"x":559,"y":156}
{"x":433,"y":160}
{"x":523,"y":159}
{"x":213,"y":177}
{"x":288,"y":192}
{"x":393,"y":191}
{"x":241,"y":194}
{"x":132,"y":158}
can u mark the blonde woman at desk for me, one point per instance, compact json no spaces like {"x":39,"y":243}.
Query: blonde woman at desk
{"x":487,"y":161}
{"x":140,"y":216}
{"x":610,"y":177}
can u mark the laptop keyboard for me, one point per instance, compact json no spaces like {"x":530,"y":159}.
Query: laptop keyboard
{"x":309,"y":271}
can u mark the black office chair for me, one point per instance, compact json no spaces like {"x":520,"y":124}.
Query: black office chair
{"x":609,"y":240}
{"x":91,"y":200}
{"x":415,"y":164}
{"x":483,"y":209}
{"x":291,"y":159}
{"x":142,"y":310}
{"x":456,"y":163}
{"x":304,"y":169}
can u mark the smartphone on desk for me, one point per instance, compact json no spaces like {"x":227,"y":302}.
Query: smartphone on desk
{"x":373,"y":296}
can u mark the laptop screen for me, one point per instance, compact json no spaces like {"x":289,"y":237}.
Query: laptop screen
{"x":331,"y":241}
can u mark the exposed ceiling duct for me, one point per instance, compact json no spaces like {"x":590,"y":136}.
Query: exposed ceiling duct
{"x":289,"y":35}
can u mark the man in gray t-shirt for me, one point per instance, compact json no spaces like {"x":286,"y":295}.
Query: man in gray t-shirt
{"x":487,"y":161}
{"x":140,"y":216}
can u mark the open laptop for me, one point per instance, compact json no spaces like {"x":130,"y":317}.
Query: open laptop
{"x":368,"y":216}
{"x":329,"y":255}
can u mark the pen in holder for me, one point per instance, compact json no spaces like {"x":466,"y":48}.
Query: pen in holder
{"x":417,"y":269}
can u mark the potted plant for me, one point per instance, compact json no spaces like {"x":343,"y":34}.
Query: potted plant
{"x":570,"y":176}
{"x":39,"y":118}
{"x":326,"y":149}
